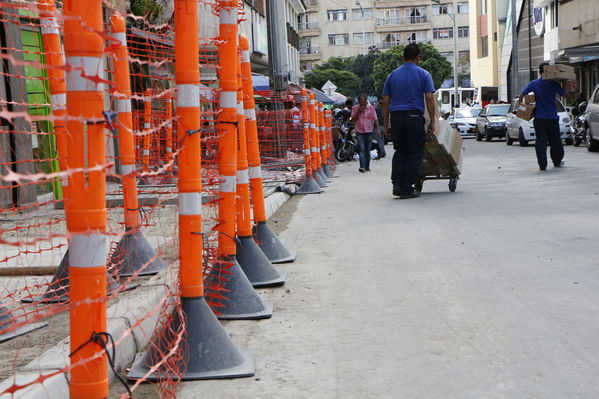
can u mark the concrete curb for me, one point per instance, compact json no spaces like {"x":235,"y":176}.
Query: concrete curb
{"x":130,"y":321}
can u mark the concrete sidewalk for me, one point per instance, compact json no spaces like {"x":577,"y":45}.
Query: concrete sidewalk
{"x":489,"y":292}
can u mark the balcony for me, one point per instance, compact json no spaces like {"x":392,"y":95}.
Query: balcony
{"x":311,"y":53}
{"x":311,"y":5}
{"x":309,"y":29}
{"x":402,"y":23}
{"x":399,"y":3}
{"x":388,"y":45}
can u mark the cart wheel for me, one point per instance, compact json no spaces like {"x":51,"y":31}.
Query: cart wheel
{"x":453,"y":184}
{"x":418,"y":185}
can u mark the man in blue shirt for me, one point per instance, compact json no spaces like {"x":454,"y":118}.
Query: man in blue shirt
{"x":546,"y":122}
{"x":403,"y":96}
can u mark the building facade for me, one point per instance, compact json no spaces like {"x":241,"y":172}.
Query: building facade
{"x":484,"y":38}
{"x":346,"y":28}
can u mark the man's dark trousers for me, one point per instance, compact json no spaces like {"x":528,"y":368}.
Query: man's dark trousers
{"x":407,"y":128}
{"x":548,"y":130}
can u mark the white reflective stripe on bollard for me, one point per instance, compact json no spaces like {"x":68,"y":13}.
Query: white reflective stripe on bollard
{"x":255,"y":172}
{"x":243,"y":176}
{"x":188,"y":96}
{"x":228,"y":99}
{"x":228,"y":184}
{"x":91,"y":67}
{"x":87,"y":250}
{"x":190,"y":203}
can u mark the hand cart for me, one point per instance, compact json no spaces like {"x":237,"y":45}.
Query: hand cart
{"x":438,"y":164}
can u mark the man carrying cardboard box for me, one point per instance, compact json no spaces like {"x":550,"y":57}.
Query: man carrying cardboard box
{"x":546,"y":122}
{"x":403,"y":94}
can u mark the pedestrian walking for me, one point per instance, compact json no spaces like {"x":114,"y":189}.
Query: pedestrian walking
{"x":380,"y":133}
{"x":364,"y":117}
{"x":403,"y":96}
{"x":546,"y":120}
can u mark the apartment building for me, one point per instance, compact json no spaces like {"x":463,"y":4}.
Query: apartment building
{"x":484,"y":57}
{"x":345,"y":28}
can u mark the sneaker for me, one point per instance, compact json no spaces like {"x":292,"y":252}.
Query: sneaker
{"x":415,"y":194}
{"x":361,"y":170}
{"x":367,"y":169}
{"x":396,"y":191}
{"x":560,"y":164}
{"x":542,"y":168}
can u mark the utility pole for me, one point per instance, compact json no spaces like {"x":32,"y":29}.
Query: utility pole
{"x":277,"y":45}
{"x":363,"y":32}
{"x":277,"y":58}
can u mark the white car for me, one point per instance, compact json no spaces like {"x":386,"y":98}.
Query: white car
{"x":464,"y":120}
{"x":518,"y":129}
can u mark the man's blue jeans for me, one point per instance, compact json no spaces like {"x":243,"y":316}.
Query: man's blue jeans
{"x":364,"y":145}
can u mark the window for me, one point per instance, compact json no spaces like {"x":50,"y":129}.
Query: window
{"x":554,"y":15}
{"x":441,"y":9}
{"x":337,"y":15}
{"x":463,"y":8}
{"x":415,"y":15}
{"x":448,"y":55}
{"x":484,"y":47}
{"x":341,"y":39}
{"x":463,"y":31}
{"x":483,"y":7}
{"x":356,"y":14}
{"x":364,"y":38}
{"x":442,"y":33}
{"x":416,"y":37}
{"x":596,"y":98}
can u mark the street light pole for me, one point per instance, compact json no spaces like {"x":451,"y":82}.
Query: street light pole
{"x":363,"y":32}
{"x":456,"y":59}
{"x":455,"y":53}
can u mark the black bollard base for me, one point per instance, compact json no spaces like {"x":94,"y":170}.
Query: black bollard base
{"x":239,"y":301}
{"x":256,"y":265}
{"x":270,"y":244}
{"x":328,"y":172}
{"x":58,"y":291}
{"x":309,"y":186}
{"x":135,"y":256}
{"x":206,"y":353}
{"x":9,"y":328}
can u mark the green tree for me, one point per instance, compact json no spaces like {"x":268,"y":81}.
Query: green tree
{"x":338,"y":63}
{"x":430,"y":59}
{"x":348,"y":83}
{"x":362,"y":66}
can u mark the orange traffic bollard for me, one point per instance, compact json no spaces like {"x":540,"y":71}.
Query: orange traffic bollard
{"x":208,"y":352}
{"x":86,"y":211}
{"x":147,"y":137}
{"x":240,"y":301}
{"x":315,"y":142}
{"x":251,"y":258}
{"x":324,"y":148}
{"x":309,"y":185}
{"x":270,"y":244}
{"x":134,"y":255}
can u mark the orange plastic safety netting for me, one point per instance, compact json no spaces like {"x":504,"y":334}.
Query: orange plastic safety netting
{"x":97,"y":185}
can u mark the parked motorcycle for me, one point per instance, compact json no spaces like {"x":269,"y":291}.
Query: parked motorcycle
{"x":348,"y":142}
{"x":580,"y":125}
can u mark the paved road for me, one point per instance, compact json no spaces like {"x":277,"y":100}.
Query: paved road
{"x":488,"y":292}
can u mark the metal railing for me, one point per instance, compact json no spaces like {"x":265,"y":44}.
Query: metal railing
{"x":388,"y":45}
{"x":303,"y":26}
{"x":309,"y":50}
{"x":421,"y":19}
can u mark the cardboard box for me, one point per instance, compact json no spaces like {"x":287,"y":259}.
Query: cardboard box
{"x":526,"y":109}
{"x":559,"y":72}
{"x":451,"y":142}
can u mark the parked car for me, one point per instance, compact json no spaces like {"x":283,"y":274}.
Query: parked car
{"x":524,"y":131}
{"x":464,"y":120}
{"x":592,"y":121}
{"x":491,"y":121}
